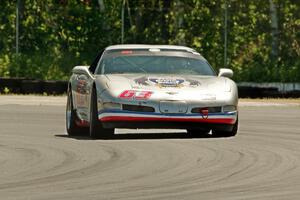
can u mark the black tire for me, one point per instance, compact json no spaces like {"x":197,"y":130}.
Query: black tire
{"x":233,"y":132}
{"x":198,"y":133}
{"x":72,"y":128}
{"x":96,"y":129}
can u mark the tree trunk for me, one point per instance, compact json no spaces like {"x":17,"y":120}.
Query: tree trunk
{"x":101,"y":5}
{"x":274,"y":29}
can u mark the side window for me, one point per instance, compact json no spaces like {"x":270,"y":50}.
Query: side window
{"x":94,"y":64}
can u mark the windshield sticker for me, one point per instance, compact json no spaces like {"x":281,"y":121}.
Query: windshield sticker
{"x":126,"y":52}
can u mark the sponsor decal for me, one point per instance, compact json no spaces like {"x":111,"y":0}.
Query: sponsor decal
{"x":142,"y":81}
{"x":172,"y":93}
{"x":193,"y":83}
{"x":134,"y":94}
{"x":166,"y":81}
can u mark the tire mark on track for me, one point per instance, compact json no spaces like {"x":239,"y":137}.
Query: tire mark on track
{"x":260,"y":163}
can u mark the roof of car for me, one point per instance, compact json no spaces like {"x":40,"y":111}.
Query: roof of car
{"x":147,"y":46}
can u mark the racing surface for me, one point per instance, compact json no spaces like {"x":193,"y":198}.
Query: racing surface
{"x":38,"y":161}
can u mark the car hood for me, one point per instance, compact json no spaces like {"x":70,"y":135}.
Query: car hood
{"x":183,"y":87}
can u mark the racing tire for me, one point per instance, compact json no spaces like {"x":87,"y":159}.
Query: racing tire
{"x":96,"y":129}
{"x":71,"y":117}
{"x":198,"y":133}
{"x":233,"y":132}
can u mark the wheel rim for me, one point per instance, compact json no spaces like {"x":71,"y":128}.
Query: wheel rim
{"x":68,"y":113}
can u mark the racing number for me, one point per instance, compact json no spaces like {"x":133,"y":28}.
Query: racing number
{"x":127,"y":94}
{"x":143,"y":95}
{"x":130,"y":94}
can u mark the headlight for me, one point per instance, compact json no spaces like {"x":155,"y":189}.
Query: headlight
{"x":229,"y":108}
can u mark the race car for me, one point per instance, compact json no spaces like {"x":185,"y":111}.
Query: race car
{"x":151,"y":86}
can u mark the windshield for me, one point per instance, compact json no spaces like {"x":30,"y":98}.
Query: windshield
{"x":154,"y":63}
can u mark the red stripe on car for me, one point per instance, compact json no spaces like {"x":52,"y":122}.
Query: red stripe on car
{"x":124,"y":118}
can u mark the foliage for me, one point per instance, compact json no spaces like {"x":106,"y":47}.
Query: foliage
{"x":55,"y":35}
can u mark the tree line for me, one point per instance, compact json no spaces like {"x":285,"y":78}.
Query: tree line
{"x":259,"y":40}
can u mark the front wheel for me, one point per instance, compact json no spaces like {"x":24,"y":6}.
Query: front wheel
{"x":231,"y":133}
{"x":96,"y":128}
{"x":71,"y":117}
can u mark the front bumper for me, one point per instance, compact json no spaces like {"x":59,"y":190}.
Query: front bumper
{"x":129,"y":119}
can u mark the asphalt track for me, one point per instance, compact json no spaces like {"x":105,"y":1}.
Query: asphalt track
{"x":38,"y":161}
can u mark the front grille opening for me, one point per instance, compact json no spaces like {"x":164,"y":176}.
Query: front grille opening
{"x":210,"y":109}
{"x":137,"y":108}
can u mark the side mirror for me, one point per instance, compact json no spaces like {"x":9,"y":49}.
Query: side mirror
{"x":82,"y":70}
{"x":224,"y":72}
